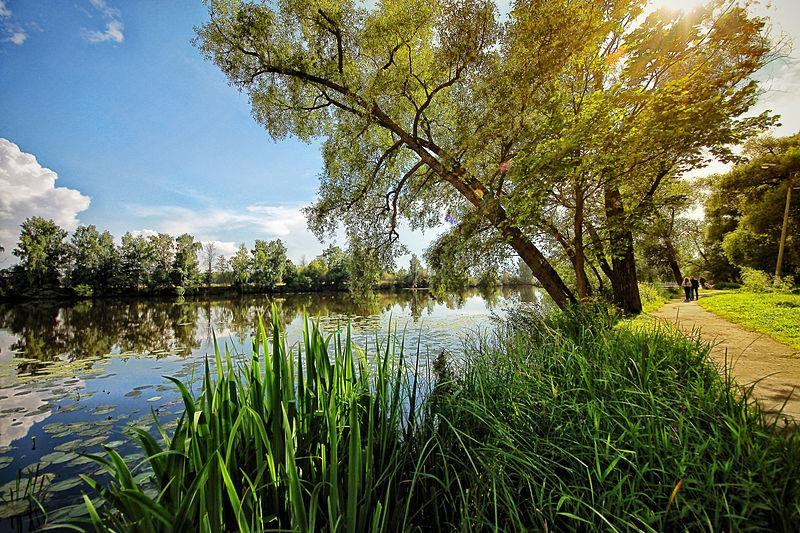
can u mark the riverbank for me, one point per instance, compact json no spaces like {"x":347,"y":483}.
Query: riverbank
{"x":555,"y":422}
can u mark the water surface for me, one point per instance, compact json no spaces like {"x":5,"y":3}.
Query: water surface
{"x":74,"y":377}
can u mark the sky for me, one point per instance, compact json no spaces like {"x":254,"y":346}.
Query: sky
{"x":110,"y":116}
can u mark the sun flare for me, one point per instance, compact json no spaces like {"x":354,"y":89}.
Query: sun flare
{"x":682,"y":5}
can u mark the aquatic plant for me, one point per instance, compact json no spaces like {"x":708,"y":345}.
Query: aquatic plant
{"x":303,"y":440}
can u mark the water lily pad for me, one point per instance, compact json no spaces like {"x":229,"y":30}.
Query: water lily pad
{"x":16,"y":493}
{"x":81,"y":460}
{"x":104,"y":409}
{"x":94,"y":432}
{"x":95,"y":441}
{"x":5,"y":461}
{"x":134,"y":394}
{"x":154,"y":399}
{"x":69,"y":446}
{"x":115,"y":444}
{"x":58,"y":457}
{"x":66,"y":484}
{"x":67,"y":514}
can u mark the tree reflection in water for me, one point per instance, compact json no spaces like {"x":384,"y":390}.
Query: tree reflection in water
{"x":49,"y":331}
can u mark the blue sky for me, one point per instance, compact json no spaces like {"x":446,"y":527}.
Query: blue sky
{"x":147,"y":135}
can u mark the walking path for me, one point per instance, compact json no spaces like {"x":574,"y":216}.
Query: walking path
{"x":750,"y":356}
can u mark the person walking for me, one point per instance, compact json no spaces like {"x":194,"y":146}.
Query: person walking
{"x":695,"y":287}
{"x":687,"y":289}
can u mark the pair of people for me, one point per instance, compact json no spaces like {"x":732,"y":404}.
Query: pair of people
{"x":691,"y":288}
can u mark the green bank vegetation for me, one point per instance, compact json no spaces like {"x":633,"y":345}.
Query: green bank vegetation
{"x":87,"y":263}
{"x":558,"y":421}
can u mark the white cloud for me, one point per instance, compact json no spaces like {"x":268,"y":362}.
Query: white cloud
{"x":114,"y":26}
{"x":223,"y":248}
{"x":17,"y":37}
{"x":14,"y":32}
{"x":104,"y":8}
{"x":113,"y":32}
{"x":28,"y":189}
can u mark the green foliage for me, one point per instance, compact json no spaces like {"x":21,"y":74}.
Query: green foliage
{"x":41,"y":250}
{"x":434,"y":111}
{"x":757,"y":281}
{"x":776,"y":315}
{"x":185,"y":266}
{"x":653,"y":297}
{"x":744,"y":212}
{"x":136,"y":263}
{"x":83,"y":291}
{"x":727,"y":285}
{"x":163,"y":252}
{"x":267,"y":263}
{"x":240,"y":266}
{"x":559,"y":421}
{"x":94,"y":258}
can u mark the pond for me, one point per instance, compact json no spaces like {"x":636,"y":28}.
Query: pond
{"x":77,"y":376}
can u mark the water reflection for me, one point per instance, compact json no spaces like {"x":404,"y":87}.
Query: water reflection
{"x":74,"y":377}
{"x":45,"y":332}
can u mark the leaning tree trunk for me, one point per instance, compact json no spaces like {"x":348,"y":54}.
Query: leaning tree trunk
{"x":624,"y":282}
{"x":480,"y":197}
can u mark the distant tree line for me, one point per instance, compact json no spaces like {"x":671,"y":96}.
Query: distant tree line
{"x":88,"y":263}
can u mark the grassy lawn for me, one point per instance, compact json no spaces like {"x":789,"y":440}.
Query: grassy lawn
{"x":776,"y":315}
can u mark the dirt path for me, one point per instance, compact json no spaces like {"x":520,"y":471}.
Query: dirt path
{"x":751,"y":356}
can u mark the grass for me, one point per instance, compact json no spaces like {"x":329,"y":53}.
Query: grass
{"x":775,"y":315}
{"x":558,"y":421}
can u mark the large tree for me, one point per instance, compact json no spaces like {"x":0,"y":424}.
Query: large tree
{"x":185,"y":266}
{"x":425,"y":106}
{"x":94,"y":258}
{"x":41,"y":251}
{"x":745,"y":209}
{"x":268,"y":263}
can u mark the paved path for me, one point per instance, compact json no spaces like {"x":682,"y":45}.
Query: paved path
{"x":750,"y":356}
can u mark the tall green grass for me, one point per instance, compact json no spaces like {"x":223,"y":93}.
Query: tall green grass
{"x":563,"y":422}
{"x":306,"y":440}
{"x":558,"y":421}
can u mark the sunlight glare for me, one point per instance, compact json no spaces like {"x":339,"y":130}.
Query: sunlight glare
{"x":683,"y":5}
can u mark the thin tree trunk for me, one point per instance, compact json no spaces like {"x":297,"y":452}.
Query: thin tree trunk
{"x":581,"y":280}
{"x":674,"y":266}
{"x":624,"y":282}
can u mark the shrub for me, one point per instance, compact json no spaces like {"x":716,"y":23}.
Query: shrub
{"x":180,"y":291}
{"x":652,"y":297}
{"x":755,"y":280}
{"x":758,"y":281}
{"x":83,"y":291}
{"x":727,"y":285}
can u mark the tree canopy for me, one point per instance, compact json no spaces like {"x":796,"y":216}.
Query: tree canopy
{"x":745,"y":209}
{"x":552,"y":133}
